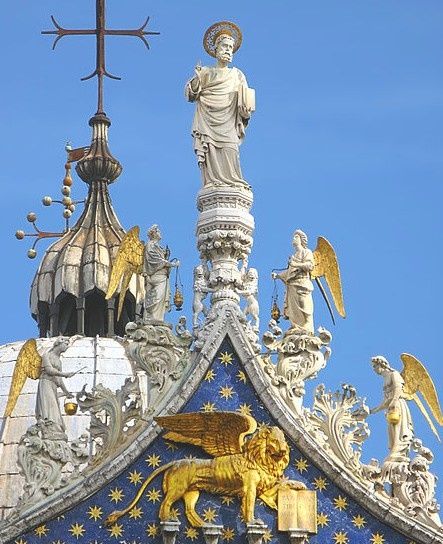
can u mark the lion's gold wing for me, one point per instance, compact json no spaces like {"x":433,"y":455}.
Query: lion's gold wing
{"x":28,"y":365}
{"x":417,"y":380}
{"x":326,"y":265}
{"x":128,"y":261}
{"x":218,"y":433}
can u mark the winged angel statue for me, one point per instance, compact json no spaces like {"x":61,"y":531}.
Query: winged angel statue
{"x":47,"y":369}
{"x":400,"y":387}
{"x":247,"y":462}
{"x":305,"y":265}
{"x":150,"y":260}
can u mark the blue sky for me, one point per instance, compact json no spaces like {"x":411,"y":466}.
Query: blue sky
{"x":346,"y":143}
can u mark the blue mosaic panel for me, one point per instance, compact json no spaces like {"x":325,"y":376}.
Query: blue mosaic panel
{"x":224,"y":388}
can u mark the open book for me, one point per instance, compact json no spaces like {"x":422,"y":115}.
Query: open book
{"x":297,"y":510}
{"x":246,"y":97}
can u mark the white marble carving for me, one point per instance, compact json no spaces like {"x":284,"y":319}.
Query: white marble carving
{"x":48,"y":462}
{"x":294,"y":358}
{"x":398,"y":416}
{"x":201,"y":290}
{"x":156,"y":269}
{"x":220,"y":117}
{"x":299,"y":307}
{"x":249,"y":290}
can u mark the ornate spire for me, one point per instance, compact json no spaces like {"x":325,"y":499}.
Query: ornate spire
{"x":225,"y":225}
{"x":68,"y":291}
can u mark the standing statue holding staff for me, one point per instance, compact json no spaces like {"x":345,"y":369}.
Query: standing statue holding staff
{"x":224,"y":104}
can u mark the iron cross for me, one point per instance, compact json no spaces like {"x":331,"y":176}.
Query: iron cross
{"x":100,"y":32}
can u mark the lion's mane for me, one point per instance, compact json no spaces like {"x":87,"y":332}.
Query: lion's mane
{"x":257,"y":451}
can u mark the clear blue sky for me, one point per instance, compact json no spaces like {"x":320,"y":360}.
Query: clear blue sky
{"x":346,"y":143}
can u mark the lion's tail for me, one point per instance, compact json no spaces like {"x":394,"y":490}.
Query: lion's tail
{"x":114,"y":516}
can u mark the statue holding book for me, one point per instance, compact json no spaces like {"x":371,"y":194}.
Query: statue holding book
{"x":224,"y":104}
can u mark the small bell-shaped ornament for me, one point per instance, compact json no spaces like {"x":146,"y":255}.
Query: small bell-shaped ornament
{"x":178,"y":299}
{"x":178,"y":295}
{"x":275,"y":310}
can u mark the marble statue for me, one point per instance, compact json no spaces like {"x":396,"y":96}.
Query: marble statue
{"x":47,"y":369}
{"x":47,"y":405}
{"x":152,"y":262}
{"x":156,"y":268}
{"x":299,"y":307}
{"x":250,"y":292}
{"x":224,"y":104}
{"x":398,"y":416}
{"x":303,"y":266}
{"x":201,"y":290}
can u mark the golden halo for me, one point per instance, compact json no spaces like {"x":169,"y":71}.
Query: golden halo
{"x":215,"y":30}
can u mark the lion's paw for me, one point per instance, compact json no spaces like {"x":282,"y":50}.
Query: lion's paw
{"x":296,"y":485}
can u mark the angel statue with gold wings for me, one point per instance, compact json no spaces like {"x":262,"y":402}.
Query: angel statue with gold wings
{"x":398,"y":389}
{"x":151,"y":261}
{"x":47,"y":369}
{"x":305,"y":265}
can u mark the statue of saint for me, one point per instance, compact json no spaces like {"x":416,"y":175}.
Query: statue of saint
{"x":156,"y":268}
{"x":224,"y":104}
{"x":299,"y":307}
{"x":398,"y":416}
{"x":47,"y":405}
{"x":249,"y":291}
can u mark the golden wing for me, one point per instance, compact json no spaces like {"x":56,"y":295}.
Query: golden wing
{"x":218,"y":433}
{"x":326,"y":264}
{"x":28,"y":365}
{"x":128,"y":261}
{"x":418,"y":380}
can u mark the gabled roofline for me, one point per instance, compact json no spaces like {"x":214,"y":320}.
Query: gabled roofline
{"x":227,"y":324}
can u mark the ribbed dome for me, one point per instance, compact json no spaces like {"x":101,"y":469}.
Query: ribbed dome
{"x":67,"y":294}
{"x":81,"y":260}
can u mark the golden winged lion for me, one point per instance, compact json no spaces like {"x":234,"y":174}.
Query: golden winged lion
{"x":247,"y":462}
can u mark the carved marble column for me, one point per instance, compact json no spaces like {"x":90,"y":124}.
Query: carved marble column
{"x":212,"y":533}
{"x":169,"y":531}
{"x":224,"y":238}
{"x":255,"y":532}
{"x":298,"y":536}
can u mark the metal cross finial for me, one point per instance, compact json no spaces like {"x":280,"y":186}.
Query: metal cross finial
{"x":100,"y":32}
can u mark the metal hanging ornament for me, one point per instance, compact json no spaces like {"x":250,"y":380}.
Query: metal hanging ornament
{"x":178,"y":293}
{"x":275,"y":310}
